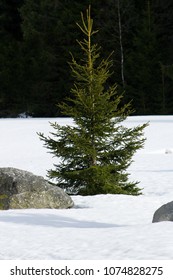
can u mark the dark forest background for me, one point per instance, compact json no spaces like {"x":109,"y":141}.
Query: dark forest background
{"x":36,"y":38}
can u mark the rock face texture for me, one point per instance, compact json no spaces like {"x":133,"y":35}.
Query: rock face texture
{"x":164,"y":213}
{"x":22,"y":189}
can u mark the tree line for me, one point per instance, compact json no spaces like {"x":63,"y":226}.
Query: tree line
{"x":38,"y":37}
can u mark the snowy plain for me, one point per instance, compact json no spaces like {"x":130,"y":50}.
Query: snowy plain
{"x":97,"y":227}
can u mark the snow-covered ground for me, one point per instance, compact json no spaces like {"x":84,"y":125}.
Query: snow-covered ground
{"x":98,"y":227}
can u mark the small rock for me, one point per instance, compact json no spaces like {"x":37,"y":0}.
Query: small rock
{"x":168,"y":151}
{"x":164,"y":213}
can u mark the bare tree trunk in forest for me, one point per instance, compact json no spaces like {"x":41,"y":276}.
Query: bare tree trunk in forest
{"x":163,"y":87}
{"x":121,"y":44}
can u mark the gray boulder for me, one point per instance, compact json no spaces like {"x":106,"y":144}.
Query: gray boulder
{"x":164,"y":213}
{"x":22,"y":189}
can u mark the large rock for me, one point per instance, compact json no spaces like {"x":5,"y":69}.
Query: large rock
{"x":164,"y":213}
{"x":22,"y":189}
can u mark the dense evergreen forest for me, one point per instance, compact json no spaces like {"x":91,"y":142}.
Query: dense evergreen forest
{"x":37,"y":38}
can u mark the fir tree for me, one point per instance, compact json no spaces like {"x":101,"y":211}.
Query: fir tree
{"x":95,"y":152}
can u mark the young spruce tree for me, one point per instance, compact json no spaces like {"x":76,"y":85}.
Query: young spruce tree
{"x":94,"y":153}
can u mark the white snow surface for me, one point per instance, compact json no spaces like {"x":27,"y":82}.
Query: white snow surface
{"x":98,"y":227}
